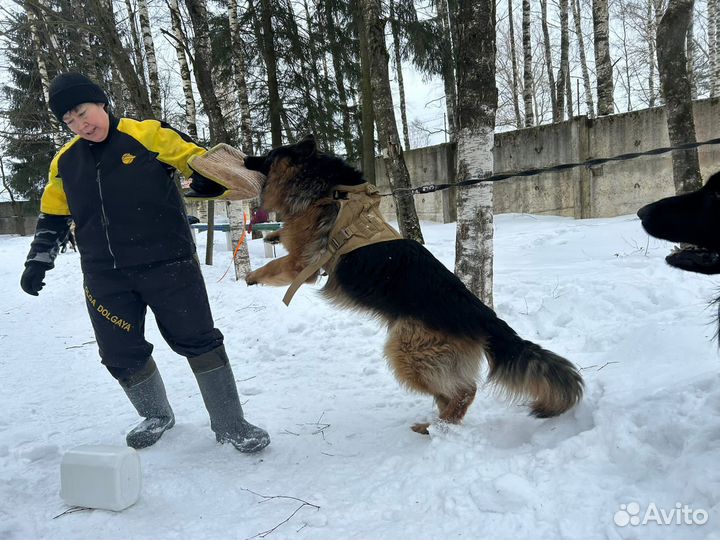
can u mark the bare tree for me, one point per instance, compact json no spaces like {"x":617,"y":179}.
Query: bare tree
{"x":589,"y":106}
{"x":149,"y":46}
{"x":387,"y":128}
{"x":395,"y":29}
{"x":179,"y":43}
{"x":548,"y":61}
{"x":675,"y":84}
{"x":714,"y":45}
{"x":563,"y":80}
{"x":690,"y":51}
{"x":135,"y":40}
{"x":528,"y":81}
{"x":367,"y":109}
{"x":42,"y":68}
{"x":477,"y":105}
{"x":448,"y":68}
{"x":239,"y":70}
{"x":625,"y":41}
{"x":108,"y":32}
{"x":515,"y":71}
{"x":202,"y":68}
{"x":270,"y":56}
{"x":218,"y":129}
{"x":603,"y":63}
{"x":650,"y":31}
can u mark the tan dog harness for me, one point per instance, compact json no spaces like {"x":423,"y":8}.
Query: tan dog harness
{"x":359,"y":223}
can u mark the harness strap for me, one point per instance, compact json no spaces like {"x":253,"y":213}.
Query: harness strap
{"x":303,"y":276}
{"x":365,"y":225}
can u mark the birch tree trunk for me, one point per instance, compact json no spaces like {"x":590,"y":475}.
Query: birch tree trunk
{"x":528,"y":82}
{"x":515,"y":70}
{"x":477,"y":105}
{"x":392,"y":151}
{"x":589,"y":105}
{"x":107,"y":28}
{"x":51,"y":39}
{"x":149,"y":46}
{"x":603,"y":63}
{"x":714,"y":41}
{"x":716,"y":72}
{"x":690,"y":51}
{"x":713,"y":36}
{"x":239,"y":74}
{"x":236,"y":212}
{"x":448,"y":69}
{"x":548,"y":61}
{"x":44,"y":77}
{"x":180,"y":39}
{"x":675,"y":84}
{"x":626,"y":51}
{"x":650,"y":37}
{"x":395,"y":29}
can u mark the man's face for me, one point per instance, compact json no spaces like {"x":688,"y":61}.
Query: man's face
{"x":88,"y":120}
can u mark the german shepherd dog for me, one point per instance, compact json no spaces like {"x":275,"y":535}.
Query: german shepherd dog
{"x":438,"y":331}
{"x":692,"y":218}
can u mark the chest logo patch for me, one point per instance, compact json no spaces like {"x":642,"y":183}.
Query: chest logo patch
{"x":127,"y":159}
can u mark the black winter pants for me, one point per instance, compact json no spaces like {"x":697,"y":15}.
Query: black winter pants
{"x":117,"y":301}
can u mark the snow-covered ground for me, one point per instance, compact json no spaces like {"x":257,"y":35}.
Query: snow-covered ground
{"x":343,"y":462}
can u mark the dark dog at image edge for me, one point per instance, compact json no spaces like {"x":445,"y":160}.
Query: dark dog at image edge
{"x":438,"y":331}
{"x":692,"y":219}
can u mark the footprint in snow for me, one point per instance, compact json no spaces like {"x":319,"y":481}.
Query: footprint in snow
{"x":39,"y":452}
{"x":251,"y":390}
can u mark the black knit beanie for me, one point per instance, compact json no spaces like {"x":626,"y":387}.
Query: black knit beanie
{"x":68,"y":90}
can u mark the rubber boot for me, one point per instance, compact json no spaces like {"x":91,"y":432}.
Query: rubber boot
{"x":147,"y":394}
{"x":217,"y":386}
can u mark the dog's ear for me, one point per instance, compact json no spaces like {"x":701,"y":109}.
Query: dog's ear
{"x":307,"y":147}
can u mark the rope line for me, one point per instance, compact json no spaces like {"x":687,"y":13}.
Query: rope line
{"x":431,"y":188}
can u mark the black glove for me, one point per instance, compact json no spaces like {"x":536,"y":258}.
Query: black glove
{"x":32,"y":278}
{"x":203,"y":187}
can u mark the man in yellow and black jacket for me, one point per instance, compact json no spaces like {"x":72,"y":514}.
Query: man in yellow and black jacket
{"x":114,"y":180}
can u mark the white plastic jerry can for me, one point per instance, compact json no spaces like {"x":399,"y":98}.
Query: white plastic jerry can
{"x":100,"y":476}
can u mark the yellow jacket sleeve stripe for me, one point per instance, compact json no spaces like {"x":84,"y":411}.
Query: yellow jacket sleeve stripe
{"x":171,"y":148}
{"x":54,"y":200}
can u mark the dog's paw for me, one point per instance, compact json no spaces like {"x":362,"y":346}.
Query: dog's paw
{"x":693,"y":259}
{"x":422,"y":428}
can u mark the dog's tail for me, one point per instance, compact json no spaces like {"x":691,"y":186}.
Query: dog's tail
{"x":524,"y":370}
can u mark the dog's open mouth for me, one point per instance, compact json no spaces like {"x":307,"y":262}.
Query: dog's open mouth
{"x":695,"y":259}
